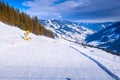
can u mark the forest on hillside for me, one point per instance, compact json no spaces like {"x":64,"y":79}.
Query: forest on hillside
{"x":14,"y":17}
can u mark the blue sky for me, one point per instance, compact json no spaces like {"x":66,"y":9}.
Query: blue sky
{"x":75,"y":10}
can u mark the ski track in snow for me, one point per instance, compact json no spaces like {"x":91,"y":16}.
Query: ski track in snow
{"x":99,"y":64}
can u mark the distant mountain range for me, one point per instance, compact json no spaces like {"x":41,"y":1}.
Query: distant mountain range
{"x":102,"y":35}
{"x":74,"y":31}
{"x":67,"y":30}
{"x":108,"y":38}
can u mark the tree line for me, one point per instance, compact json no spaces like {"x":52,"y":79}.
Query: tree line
{"x":14,"y":17}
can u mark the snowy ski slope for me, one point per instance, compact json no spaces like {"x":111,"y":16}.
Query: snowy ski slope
{"x":44,"y":58}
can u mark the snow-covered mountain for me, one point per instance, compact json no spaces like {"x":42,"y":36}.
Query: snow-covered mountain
{"x":97,"y":26}
{"x":66,"y":29}
{"x":42,"y":58}
{"x":108,"y":38}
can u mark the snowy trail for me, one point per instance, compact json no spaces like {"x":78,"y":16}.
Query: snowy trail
{"x":57,"y":62}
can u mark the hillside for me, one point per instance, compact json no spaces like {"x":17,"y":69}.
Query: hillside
{"x":43,"y":58}
{"x":108,"y":38}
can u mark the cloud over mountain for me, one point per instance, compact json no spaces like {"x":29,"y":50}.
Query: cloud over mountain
{"x":100,"y":10}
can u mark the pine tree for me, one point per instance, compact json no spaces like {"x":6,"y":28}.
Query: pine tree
{"x":17,"y":17}
{"x":36,"y":25}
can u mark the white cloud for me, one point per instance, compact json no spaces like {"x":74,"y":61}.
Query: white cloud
{"x":58,"y":15}
{"x":37,"y":3}
{"x":48,"y":8}
{"x":74,"y":9}
{"x":69,"y":4}
{"x":99,"y":20}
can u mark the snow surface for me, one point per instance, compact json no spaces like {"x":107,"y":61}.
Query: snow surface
{"x":112,"y":62}
{"x":44,"y":58}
